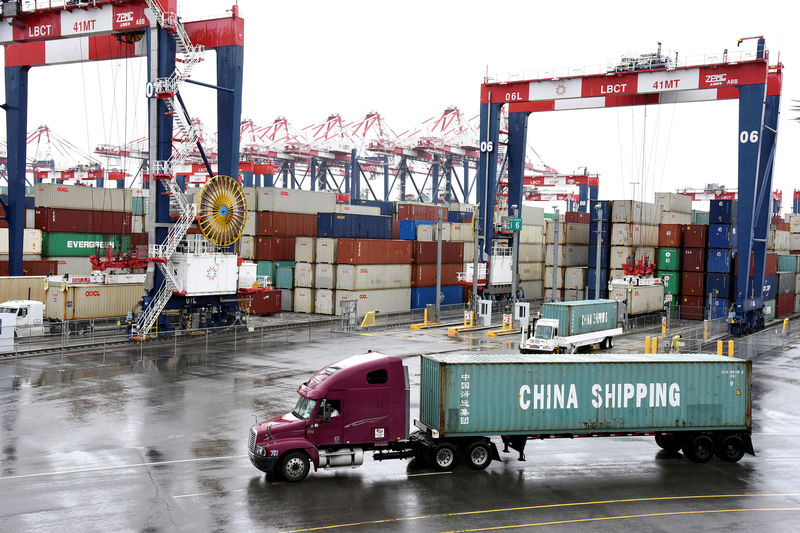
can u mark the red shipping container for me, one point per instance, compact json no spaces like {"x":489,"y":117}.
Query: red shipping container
{"x":33,"y":268}
{"x":695,"y":235}
{"x":425,"y":275}
{"x":576,"y":217}
{"x":52,"y":219}
{"x":670,"y":235}
{"x":111,"y":222}
{"x":373,"y":252}
{"x":395,"y":229}
{"x":412,"y":211}
{"x":771,"y":264}
{"x":784,"y":305}
{"x":3,"y":223}
{"x":275,"y":248}
{"x":425,"y":252}
{"x":692,"y":308}
{"x":694,"y":259}
{"x":138,"y":239}
{"x":276,"y":224}
{"x":260,"y":301}
{"x":692,"y":284}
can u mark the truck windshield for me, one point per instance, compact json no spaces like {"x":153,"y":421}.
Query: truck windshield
{"x":303,"y":408}
{"x":11,"y":310}
{"x":544,"y":332}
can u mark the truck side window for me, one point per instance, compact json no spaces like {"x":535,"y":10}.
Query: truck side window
{"x":23,"y":312}
{"x":377,"y":377}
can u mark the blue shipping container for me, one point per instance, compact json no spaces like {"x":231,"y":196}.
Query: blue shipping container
{"x":408,"y":228}
{"x":591,"y":277}
{"x":722,"y":212}
{"x":604,"y":256}
{"x":605,"y":210}
{"x":355,"y":226}
{"x":459,"y":216}
{"x":720,"y":260}
{"x":717,"y":308}
{"x":719,"y":284}
{"x":422,"y":296}
{"x":385,"y":207}
{"x":722,"y":236}
{"x":603,"y":295}
{"x":29,"y":204}
{"x":769,"y":288}
{"x":605,"y":232}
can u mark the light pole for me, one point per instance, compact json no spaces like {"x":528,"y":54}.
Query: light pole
{"x":555,"y":253}
{"x":598,"y":208}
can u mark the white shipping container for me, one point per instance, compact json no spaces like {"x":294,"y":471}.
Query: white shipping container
{"x":22,"y":288}
{"x":460,"y":232}
{"x":427,"y":232}
{"x":640,"y":299}
{"x":576,"y":233}
{"x":548,"y":294}
{"x":205,"y":274}
{"x":532,"y":289}
{"x":626,"y":211}
{"x":323,"y":302}
{"x":303,"y":300}
{"x":575,"y":278}
{"x":643,"y":235}
{"x":548,"y":277}
{"x":325,"y":276}
{"x":550,"y":234}
{"x":251,"y":200}
{"x":568,"y":255}
{"x":532,"y":216}
{"x":382,"y":300}
{"x":781,"y":240}
{"x":645,"y":252}
{"x":72,"y":265}
{"x":250,"y":223}
{"x":248,"y":274}
{"x":794,"y":242}
{"x":369,"y":277}
{"x":305,"y":250}
{"x":469,"y":252}
{"x":120,"y":200}
{"x":670,"y":217}
{"x":30,"y":218}
{"x":530,"y":253}
{"x":621,"y":234}
{"x":794,"y":223}
{"x":63,"y":196}
{"x":85,"y":301}
{"x":31,"y":242}
{"x":304,"y":275}
{"x":619,"y":255}
{"x":615,"y":273}
{"x":125,"y":278}
{"x":326,"y":250}
{"x":573,"y":295}
{"x":247,"y":247}
{"x":678,"y":203}
{"x":531,"y":271}
{"x":295,"y":200}
{"x":357,"y":210}
{"x":137,"y":224}
{"x":531,"y":235}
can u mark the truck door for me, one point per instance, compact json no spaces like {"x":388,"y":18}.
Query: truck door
{"x":328,"y":424}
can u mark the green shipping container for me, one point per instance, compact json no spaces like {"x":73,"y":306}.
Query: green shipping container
{"x":284,"y":277}
{"x":672,"y":281}
{"x":700,"y":217}
{"x":507,"y":394}
{"x":669,"y":259}
{"x":82,"y":244}
{"x":266,"y":268}
{"x":585,"y":316}
{"x":788,"y":263}
{"x":769,"y":310}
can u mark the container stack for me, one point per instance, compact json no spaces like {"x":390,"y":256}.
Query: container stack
{"x":531,"y":252}
{"x":722,"y":242}
{"x":634,"y":234}
{"x":782,"y":287}
{"x":692,"y":283}
{"x":603,"y":218}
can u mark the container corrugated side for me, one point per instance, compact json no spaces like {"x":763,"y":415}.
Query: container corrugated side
{"x":568,"y":255}
{"x":247,"y":247}
{"x":531,"y":271}
{"x":304,"y":275}
{"x":295,"y":200}
{"x":31,"y":242}
{"x":532,"y":289}
{"x":373,"y":252}
{"x":22,"y":288}
{"x":82,"y":244}
{"x":640,"y":300}
{"x":578,"y":318}
{"x":679,"y":203}
{"x":382,"y":300}
{"x":531,"y":235}
{"x":323,"y":300}
{"x":79,"y":302}
{"x":366,"y":277}
{"x":324,"y":276}
{"x":305,"y":249}
{"x":526,"y":253}
{"x":517,"y":394}
{"x":326,"y":250}
{"x":575,"y":278}
{"x":303,"y":300}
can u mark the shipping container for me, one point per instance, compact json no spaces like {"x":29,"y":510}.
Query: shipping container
{"x":679,"y":203}
{"x":577,"y":217}
{"x":358,"y":210}
{"x":275,"y":249}
{"x":671,"y":281}
{"x":83,"y":244}
{"x":422,"y":296}
{"x":770,"y":264}
{"x":367,"y":277}
{"x":32,"y":242}
{"x":420,"y":211}
{"x":305,"y":250}
{"x":784,"y":305}
{"x":720,"y":260}
{"x":619,"y":256}
{"x":630,"y":212}
{"x":644,"y":235}
{"x":295,"y":201}
{"x":304,"y":275}
{"x":700,"y":217}
{"x":692,"y":308}
{"x":408,"y":228}
{"x":582,"y":317}
{"x":324,"y":276}
{"x":721,"y":236}
{"x":604,"y":212}
{"x":425,"y":275}
{"x":621,"y":235}
{"x":287,"y":300}
{"x":304,"y":300}
{"x":695,"y":236}
{"x":530,"y":271}
{"x":591,"y":280}
{"x":640,"y":300}
{"x":282,"y":224}
{"x":381,"y":300}
{"x":343,"y":225}
{"x":549,"y":297}
{"x":53,"y":219}
{"x":796,"y":283}
{"x":717,"y":308}
{"x":373,"y":252}
{"x":604,"y":256}
{"x":531,"y":253}
{"x":719,"y":285}
{"x":325,"y":250}
{"x":82,"y":197}
{"x":140,"y":205}
{"x":531,"y":235}
{"x":205,"y":274}
{"x":324,"y":302}
{"x":694,"y":259}
{"x":568,"y":255}
{"x":284,"y":277}
{"x":532,"y":216}
{"x":81,"y":302}
{"x":548,"y":277}
{"x":531,"y":289}
{"x":260,"y":302}
{"x":385,"y":208}
{"x":769,"y":310}
{"x":693,"y":284}
{"x":722,"y":212}
{"x":670,"y":217}
{"x":550,"y":232}
{"x":426,"y":252}
{"x":22,"y":288}
{"x":605,"y":234}
{"x":669,"y":259}
{"x":247,"y":247}
{"x":575,"y":278}
{"x":670,"y":235}
{"x":786,"y":283}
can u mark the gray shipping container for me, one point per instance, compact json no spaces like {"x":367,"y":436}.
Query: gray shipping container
{"x":568,"y":255}
{"x":577,"y":318}
{"x":381,"y":300}
{"x":532,"y":289}
{"x":324,"y":276}
{"x":550,"y":394}
{"x":295,"y":200}
{"x":786,"y":283}
{"x":366,"y":277}
{"x":323,"y":302}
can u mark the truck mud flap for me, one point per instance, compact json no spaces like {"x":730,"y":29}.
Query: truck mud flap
{"x":494,"y":452}
{"x":748,"y":445}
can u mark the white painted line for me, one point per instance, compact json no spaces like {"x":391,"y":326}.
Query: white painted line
{"x":136,"y":465}
{"x":429,"y":474}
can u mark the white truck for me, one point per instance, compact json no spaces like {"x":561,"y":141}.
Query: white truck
{"x":566,"y":327}
{"x":25,"y":316}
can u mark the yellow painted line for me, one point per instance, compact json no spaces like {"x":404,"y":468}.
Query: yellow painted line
{"x":623,"y":517}
{"x":546,"y":506}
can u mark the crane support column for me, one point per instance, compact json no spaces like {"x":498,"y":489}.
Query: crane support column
{"x":16,"y":133}
{"x":517,"y":143}
{"x":230,"y":64}
{"x":487,"y":169}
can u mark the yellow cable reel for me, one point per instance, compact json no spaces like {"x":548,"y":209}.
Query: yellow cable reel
{"x":222,"y":210}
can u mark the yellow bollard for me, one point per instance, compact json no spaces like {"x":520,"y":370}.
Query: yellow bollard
{"x":719,"y":348}
{"x":705,"y":330}
{"x":647,"y":345}
{"x":786,"y":325}
{"x":730,"y":348}
{"x":663,"y":326}
{"x":655,"y":345}
{"x":425,"y":318}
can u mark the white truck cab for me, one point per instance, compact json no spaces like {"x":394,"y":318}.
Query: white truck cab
{"x":26,"y":316}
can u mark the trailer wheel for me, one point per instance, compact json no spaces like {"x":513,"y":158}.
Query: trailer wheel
{"x":669,"y":443}
{"x":443,"y":457}
{"x":478,"y":455}
{"x":294,"y":466}
{"x":699,"y":448}
{"x":730,"y":448}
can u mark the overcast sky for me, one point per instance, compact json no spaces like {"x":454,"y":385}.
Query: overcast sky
{"x":409,"y":60}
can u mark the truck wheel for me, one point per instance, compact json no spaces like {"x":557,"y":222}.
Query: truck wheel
{"x":478,"y":455}
{"x":699,"y":448}
{"x":294,"y":466}
{"x":443,"y":457}
{"x":730,"y":449}
{"x":669,"y":443}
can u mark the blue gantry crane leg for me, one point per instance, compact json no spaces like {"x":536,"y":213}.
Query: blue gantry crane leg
{"x":16,"y":107}
{"x":487,"y":169}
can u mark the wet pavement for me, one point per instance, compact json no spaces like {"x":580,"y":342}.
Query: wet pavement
{"x":156,"y":441}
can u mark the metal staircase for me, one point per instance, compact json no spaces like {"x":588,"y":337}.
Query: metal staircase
{"x":166,"y":90}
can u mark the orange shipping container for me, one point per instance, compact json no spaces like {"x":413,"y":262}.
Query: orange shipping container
{"x":276,"y":224}
{"x":670,"y":235}
{"x":425,"y":275}
{"x":373,"y":252}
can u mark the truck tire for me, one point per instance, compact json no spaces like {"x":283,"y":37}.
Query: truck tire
{"x":294,"y":466}
{"x":699,"y":449}
{"x":478,"y":455}
{"x":730,"y":448}
{"x":443,"y":457}
{"x":669,"y":443}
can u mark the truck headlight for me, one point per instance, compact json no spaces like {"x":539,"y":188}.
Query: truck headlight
{"x":261,"y":450}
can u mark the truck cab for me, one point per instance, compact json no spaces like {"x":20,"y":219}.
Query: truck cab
{"x":355,"y":405}
{"x":543,"y":337}
{"x":25,"y":316}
